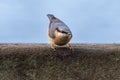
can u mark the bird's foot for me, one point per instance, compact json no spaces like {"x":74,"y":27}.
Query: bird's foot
{"x":53,"y":46}
{"x":69,"y":46}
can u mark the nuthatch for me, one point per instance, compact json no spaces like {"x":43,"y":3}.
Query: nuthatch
{"x":58,"y":32}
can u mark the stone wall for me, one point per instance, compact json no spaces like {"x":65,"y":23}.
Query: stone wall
{"x":40,"y":62}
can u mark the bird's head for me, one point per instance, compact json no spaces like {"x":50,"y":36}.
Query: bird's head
{"x":61,"y":37}
{"x":63,"y":33}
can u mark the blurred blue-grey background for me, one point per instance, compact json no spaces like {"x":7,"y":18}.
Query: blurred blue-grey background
{"x":91,"y":21}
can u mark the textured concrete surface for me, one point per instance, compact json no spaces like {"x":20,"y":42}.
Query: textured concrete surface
{"x":40,"y":62}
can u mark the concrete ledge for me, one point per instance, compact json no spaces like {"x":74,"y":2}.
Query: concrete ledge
{"x":40,"y":62}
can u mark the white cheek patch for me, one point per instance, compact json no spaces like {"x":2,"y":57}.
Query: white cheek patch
{"x":60,"y":34}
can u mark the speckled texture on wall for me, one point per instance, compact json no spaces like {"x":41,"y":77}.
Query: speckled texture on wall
{"x":40,"y":62}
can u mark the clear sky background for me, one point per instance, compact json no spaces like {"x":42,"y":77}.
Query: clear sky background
{"x":91,"y":21}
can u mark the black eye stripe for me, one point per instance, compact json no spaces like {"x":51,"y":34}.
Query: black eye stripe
{"x":61,"y":31}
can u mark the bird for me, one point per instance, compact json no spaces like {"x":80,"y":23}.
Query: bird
{"x":58,"y":33}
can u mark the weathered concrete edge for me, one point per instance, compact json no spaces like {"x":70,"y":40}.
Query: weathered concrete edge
{"x":45,"y":48}
{"x":85,"y":62}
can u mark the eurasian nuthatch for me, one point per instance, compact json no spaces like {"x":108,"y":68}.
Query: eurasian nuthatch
{"x":58,"y":32}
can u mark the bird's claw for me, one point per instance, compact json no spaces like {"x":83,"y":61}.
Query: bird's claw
{"x":69,"y":46}
{"x":53,"y":47}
